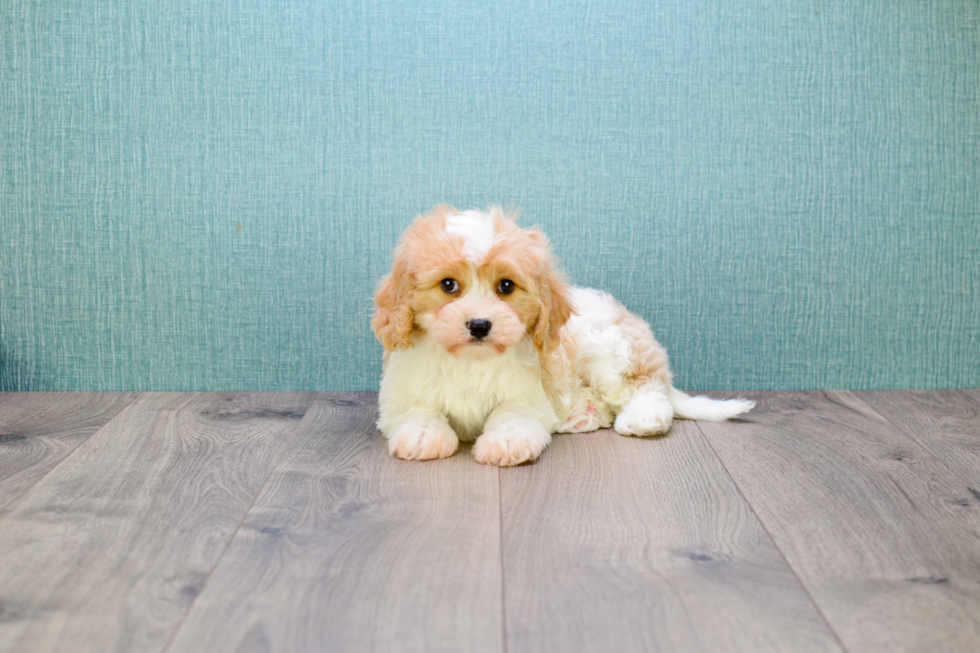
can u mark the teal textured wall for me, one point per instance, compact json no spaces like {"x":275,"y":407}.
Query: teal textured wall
{"x":203,"y":195}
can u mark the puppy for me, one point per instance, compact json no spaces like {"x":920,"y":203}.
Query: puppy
{"x":484,"y":340}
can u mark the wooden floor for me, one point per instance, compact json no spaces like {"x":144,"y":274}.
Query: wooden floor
{"x":823,"y":521}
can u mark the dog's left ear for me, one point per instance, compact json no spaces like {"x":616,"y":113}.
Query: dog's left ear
{"x":555,"y":298}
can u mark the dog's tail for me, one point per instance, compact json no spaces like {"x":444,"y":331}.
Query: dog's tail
{"x":705,"y":408}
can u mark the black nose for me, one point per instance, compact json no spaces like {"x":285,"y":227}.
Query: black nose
{"x":479,"y":328}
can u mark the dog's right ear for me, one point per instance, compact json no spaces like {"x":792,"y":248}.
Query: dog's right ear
{"x":393,"y":317}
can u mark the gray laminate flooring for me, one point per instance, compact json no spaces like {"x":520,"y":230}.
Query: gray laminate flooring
{"x":821,"y":521}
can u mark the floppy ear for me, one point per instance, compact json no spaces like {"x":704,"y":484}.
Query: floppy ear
{"x":393,"y":317}
{"x":556,"y":308}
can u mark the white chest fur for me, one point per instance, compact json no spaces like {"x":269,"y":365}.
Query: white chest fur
{"x":427,"y":378}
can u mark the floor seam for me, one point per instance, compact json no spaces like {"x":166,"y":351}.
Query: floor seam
{"x":921,"y":443}
{"x":782,"y":555}
{"x":503,"y":587}
{"x":71,"y":453}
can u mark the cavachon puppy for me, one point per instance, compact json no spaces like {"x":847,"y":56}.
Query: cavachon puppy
{"x":484,"y":340}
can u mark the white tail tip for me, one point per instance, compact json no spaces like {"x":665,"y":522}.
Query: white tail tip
{"x":706,"y":408}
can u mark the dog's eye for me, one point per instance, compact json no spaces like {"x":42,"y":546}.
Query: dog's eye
{"x":505,"y":287}
{"x":450,"y":285}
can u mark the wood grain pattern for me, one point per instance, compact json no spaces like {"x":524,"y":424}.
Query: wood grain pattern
{"x":39,"y":429}
{"x":879,"y":530}
{"x":259,"y":522}
{"x":113,"y":545}
{"x":972,"y":393}
{"x":628,"y":544}
{"x":945,"y":422}
{"x":347,"y":549}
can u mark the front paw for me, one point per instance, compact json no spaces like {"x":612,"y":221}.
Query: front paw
{"x":511,"y":444}
{"x":423,"y":438}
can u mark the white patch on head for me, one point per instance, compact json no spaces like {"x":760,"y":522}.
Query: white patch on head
{"x":476,"y":230}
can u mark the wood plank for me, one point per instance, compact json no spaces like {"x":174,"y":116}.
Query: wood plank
{"x":40,"y":429}
{"x":113,"y":545}
{"x":641,"y":544}
{"x":945,"y":422}
{"x":874,"y":524}
{"x":348,"y":549}
{"x":972,"y":393}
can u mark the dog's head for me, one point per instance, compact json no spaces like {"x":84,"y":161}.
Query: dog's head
{"x":474,"y":282}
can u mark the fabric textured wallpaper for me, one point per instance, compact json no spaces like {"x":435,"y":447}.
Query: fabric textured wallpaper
{"x":202,"y":195}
